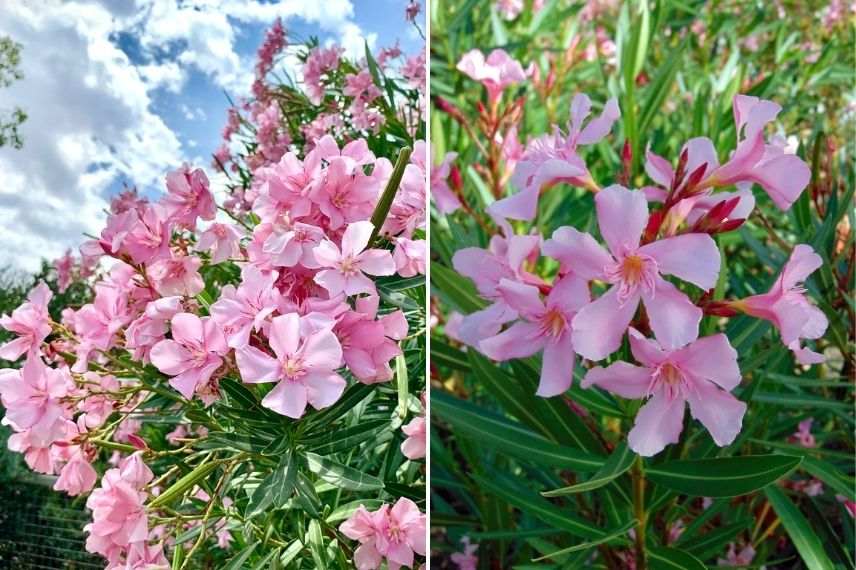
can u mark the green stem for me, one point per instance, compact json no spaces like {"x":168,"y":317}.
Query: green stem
{"x":385,"y":202}
{"x":641,"y":514}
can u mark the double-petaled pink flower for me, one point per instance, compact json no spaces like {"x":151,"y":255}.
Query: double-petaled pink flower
{"x":466,"y":559}
{"x":788,"y":308}
{"x":635,"y":272}
{"x":193,"y":354}
{"x":188,"y":197}
{"x":368,"y":343}
{"x":416,"y":431}
{"x":392,"y":533}
{"x":222,"y":240}
{"x":33,"y":395}
{"x":304,"y":366}
{"x":30,"y":322}
{"x":803,"y":435}
{"x":347,"y":267}
{"x":77,"y":476}
{"x":701,"y":373}
{"x":496,"y":72}
{"x":544,"y":325}
{"x":243,"y":310}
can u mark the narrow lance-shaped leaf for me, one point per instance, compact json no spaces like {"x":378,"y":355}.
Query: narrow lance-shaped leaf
{"x":806,"y":541}
{"x":722,"y":476}
{"x":618,"y":463}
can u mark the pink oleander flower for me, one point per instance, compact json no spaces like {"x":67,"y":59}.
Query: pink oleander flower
{"x":223,"y":240}
{"x":241,"y":311}
{"x":509,"y":9}
{"x":734,"y":558}
{"x":803,"y":434}
{"x":701,"y":373}
{"x":188,"y":197}
{"x":414,"y":446}
{"x":150,"y":328}
{"x":361,"y":85}
{"x":444,"y":198}
{"x":37,"y":446}
{"x":31,"y":322}
{"x":178,"y":275}
{"x":284,"y":187}
{"x":409,"y":256}
{"x":64,"y":266}
{"x":635,"y":273}
{"x":304,"y":367}
{"x":192,"y":355}
{"x":345,"y":194}
{"x":466,"y":559}
{"x":97,"y":323}
{"x":143,"y":235}
{"x":544,"y":325}
{"x":787,"y":306}
{"x":552,"y":159}
{"x":143,"y":556}
{"x":349,"y":266}
{"x":412,"y":10}
{"x":294,"y":244}
{"x":77,"y":476}
{"x":368,"y":344}
{"x":33,"y":395}
{"x":393,"y":533}
{"x":496,"y":72}
{"x":97,"y":405}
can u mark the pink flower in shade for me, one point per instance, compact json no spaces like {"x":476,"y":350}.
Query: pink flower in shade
{"x":369,"y":344}
{"x":293,"y":244}
{"x":178,"y":275}
{"x":194,"y":353}
{"x":733,"y":557}
{"x":97,"y":406}
{"x":223,"y":240}
{"x":348,"y":267}
{"x":304,"y":367}
{"x":32,"y":395}
{"x":31,"y":322}
{"x":543,"y":326}
{"x":496,"y":72}
{"x":414,"y":446}
{"x":64,"y":266}
{"x":702,"y":373}
{"x":77,"y":476}
{"x":552,"y":159}
{"x":509,"y":9}
{"x":143,"y":556}
{"x":803,"y":436}
{"x":409,"y":256}
{"x":783,"y":176}
{"x":245,"y":309}
{"x":37,"y":447}
{"x":788,"y":308}
{"x":188,"y":197}
{"x":444,"y":198}
{"x":466,"y":559}
{"x":143,"y":235}
{"x":345,"y":194}
{"x":635,"y":274}
{"x":393,"y":533}
{"x":849,"y":505}
{"x":150,"y":328}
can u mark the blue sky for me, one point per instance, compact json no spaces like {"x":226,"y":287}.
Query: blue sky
{"x":121,"y":91}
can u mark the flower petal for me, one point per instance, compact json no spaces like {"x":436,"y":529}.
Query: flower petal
{"x":658,"y":424}
{"x":720,"y":412}
{"x":323,"y":388}
{"x":557,"y":368}
{"x":523,"y":298}
{"x":285,"y":334}
{"x":376,"y":262}
{"x":256,"y":366}
{"x":577,"y":252}
{"x":622,"y":215}
{"x":599,"y":326}
{"x":691,"y":257}
{"x":711,"y":358}
{"x":187,"y":329}
{"x":620,"y":378}
{"x":356,"y":237}
{"x":287,"y":398}
{"x":520,"y":340}
{"x":674,"y":318}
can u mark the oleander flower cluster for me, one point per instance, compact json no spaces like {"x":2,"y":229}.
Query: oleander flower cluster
{"x":277,"y":287}
{"x":646,"y":276}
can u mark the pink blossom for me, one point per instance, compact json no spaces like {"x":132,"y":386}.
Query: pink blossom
{"x":552,"y":159}
{"x":37,"y":445}
{"x":293,"y":244}
{"x":409,"y":256}
{"x":188,"y":197}
{"x":32,"y":395}
{"x":466,"y":559}
{"x":31,"y":322}
{"x":702,"y":373}
{"x":64,"y":266}
{"x":223,"y":240}
{"x":345,"y":194}
{"x":304,"y":366}
{"x":803,"y":436}
{"x":496,"y":72}
{"x":76,"y":476}
{"x":368,"y":344}
{"x":412,"y":10}
{"x":143,"y":235}
{"x":734,"y":558}
{"x":361,"y":85}
{"x":393,"y":533}
{"x":243,"y":310}
{"x":150,"y":328}
{"x":284,"y":187}
{"x":177,"y":275}
{"x":319,"y":62}
{"x":194,"y":353}
{"x":543,"y":326}
{"x":509,"y":9}
{"x":348,"y":267}
{"x":97,"y":405}
{"x":635,"y":274}
{"x":143,"y":556}
{"x":443,"y":196}
{"x":414,"y":446}
{"x":788,"y":308}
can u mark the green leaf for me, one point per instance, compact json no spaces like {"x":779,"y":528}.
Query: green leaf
{"x":184,"y":484}
{"x":457,"y":288}
{"x":401,"y":384}
{"x":722,"y":476}
{"x":342,"y":476}
{"x":508,"y":436}
{"x":712,"y":541}
{"x":345,"y":511}
{"x":384,"y":203}
{"x":237,"y":561}
{"x":618,"y":463}
{"x":827,"y":473}
{"x":263,"y":496}
{"x":610,"y":536}
{"x":336,"y":440}
{"x":285,"y":476}
{"x":316,"y":544}
{"x":805,"y":540}
{"x":661,"y":558}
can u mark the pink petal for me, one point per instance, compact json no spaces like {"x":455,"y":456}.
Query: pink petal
{"x":599,"y":326}
{"x":620,"y":378}
{"x":691,"y":257}
{"x":170,"y":357}
{"x":557,"y":368}
{"x":356,"y":237}
{"x":186,"y":382}
{"x":359,"y":283}
{"x":327,"y":254}
{"x":646,"y":350}
{"x":525,"y":299}
{"x":332,"y":280}
{"x":522,"y":205}
{"x":366,"y":557}
{"x":783,"y":178}
{"x":805,"y":355}
{"x":522,"y":339}
{"x":658,"y":169}
{"x":622,"y":215}
{"x":700,"y":150}
{"x":13,"y":349}
{"x":674,"y":318}
{"x":323,"y":389}
{"x":322,"y":351}
{"x":569,"y":294}
{"x":802,"y":263}
{"x":285,"y":334}
{"x":578,"y":252}
{"x":484,"y":323}
{"x":598,"y":128}
{"x":376,"y":262}
{"x":256,"y":366}
{"x":287,"y":398}
{"x":720,"y":412}
{"x":711,"y":358}
{"x":187,"y":329}
{"x":658,"y":424}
